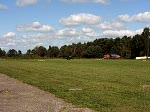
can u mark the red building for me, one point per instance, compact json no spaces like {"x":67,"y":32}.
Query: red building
{"x":112,"y":56}
{"x":107,"y":56}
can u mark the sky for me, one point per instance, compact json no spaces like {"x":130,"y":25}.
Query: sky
{"x":25,"y":24}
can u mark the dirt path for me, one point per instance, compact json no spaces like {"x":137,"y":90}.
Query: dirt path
{"x":16,"y":96}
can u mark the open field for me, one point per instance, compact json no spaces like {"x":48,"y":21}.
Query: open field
{"x":102,"y":85}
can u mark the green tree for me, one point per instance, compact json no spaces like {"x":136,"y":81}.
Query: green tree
{"x":66,"y":51}
{"x":49,"y":51}
{"x":116,"y":48}
{"x":138,"y":46}
{"x":53,"y":51}
{"x":12,"y":53}
{"x":93,"y":52}
{"x":2,"y":53}
{"x":39,"y":51}
{"x":78,"y":50}
{"x":126,"y":47}
{"x":146,"y":37}
{"x":19,"y":54}
{"x":28,"y":53}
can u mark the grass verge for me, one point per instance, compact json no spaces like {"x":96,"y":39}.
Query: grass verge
{"x":102,"y":85}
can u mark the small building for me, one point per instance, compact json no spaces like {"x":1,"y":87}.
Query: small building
{"x":112,"y":56}
{"x":107,"y":56}
{"x":115,"y":56}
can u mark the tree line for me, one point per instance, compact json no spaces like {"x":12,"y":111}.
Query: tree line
{"x":126,"y":47}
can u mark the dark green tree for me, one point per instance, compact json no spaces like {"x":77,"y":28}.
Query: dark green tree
{"x":93,"y":52}
{"x":126,"y":47}
{"x":146,"y":37}
{"x":19,"y":54}
{"x":12,"y":53}
{"x":66,"y":51}
{"x":39,"y":51}
{"x":117,"y":46}
{"x":53,"y":51}
{"x":2,"y":53}
{"x":28,"y":53}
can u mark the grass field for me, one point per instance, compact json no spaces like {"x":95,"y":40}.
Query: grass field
{"x":106,"y":85}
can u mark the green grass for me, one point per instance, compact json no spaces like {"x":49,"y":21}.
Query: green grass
{"x":107,"y":85}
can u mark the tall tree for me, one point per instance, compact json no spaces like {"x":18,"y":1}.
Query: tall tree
{"x":146,"y":37}
{"x":12,"y":53}
{"x":66,"y":51}
{"x":116,"y":48}
{"x":93,"y":52}
{"x":53,"y":51}
{"x":39,"y":51}
{"x":138,"y":46}
{"x":28,"y":53}
{"x":2,"y":53}
{"x":49,"y":51}
{"x":126,"y":47}
{"x":19,"y":53}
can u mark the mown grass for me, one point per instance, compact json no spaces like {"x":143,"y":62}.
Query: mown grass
{"x":107,"y":85}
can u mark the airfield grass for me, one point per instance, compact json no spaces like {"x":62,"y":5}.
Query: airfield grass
{"x":104,"y":85}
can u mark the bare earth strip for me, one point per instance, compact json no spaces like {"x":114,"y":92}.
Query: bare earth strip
{"x":16,"y":96}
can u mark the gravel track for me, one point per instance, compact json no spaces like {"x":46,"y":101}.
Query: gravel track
{"x":16,"y":96}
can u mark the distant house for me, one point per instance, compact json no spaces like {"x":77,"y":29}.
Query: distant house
{"x":107,"y":56}
{"x":115,"y":56}
{"x":112,"y":56}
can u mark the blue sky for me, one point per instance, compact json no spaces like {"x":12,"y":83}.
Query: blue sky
{"x":25,"y":24}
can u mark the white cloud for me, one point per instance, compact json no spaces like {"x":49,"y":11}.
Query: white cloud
{"x":104,"y":2}
{"x":81,"y":39}
{"x":87,"y":30}
{"x":22,"y":3}
{"x":75,"y":1}
{"x":81,"y":19}
{"x":110,"y":26}
{"x":67,"y":32}
{"x":8,"y":35}
{"x":120,"y":33}
{"x":127,"y":0}
{"x":7,"y":40}
{"x":10,"y":44}
{"x":36,"y":24}
{"x":35,"y":27}
{"x":24,"y":42}
{"x":92,"y":34}
{"x":3,"y":7}
{"x":141,"y":17}
{"x":75,"y":36}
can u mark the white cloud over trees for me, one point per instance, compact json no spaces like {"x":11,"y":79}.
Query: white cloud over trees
{"x":111,"y":26}
{"x":120,"y":33}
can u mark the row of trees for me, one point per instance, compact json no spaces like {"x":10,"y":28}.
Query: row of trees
{"x":126,"y":47}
